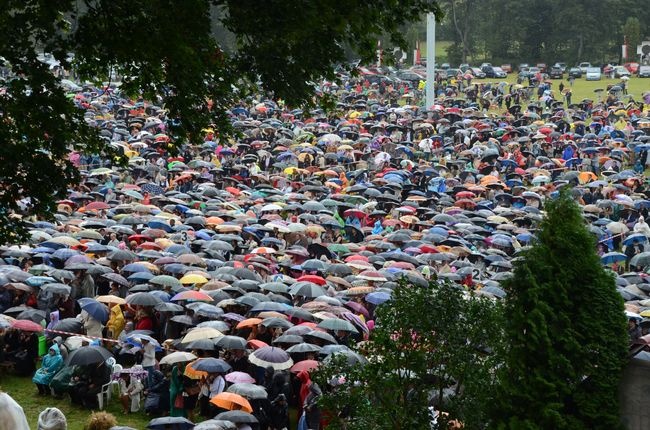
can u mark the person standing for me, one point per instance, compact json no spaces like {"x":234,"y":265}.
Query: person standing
{"x":148,"y":359}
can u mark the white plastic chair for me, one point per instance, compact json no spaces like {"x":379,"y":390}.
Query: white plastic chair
{"x":115,"y":378}
{"x":105,"y":393}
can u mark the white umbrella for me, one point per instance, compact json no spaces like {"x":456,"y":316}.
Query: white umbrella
{"x":178,"y":357}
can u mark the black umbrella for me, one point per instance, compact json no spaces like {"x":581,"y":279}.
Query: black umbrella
{"x":237,"y":417}
{"x":170,"y":423}
{"x":31,"y":314}
{"x":142,"y":299}
{"x":70,"y":325}
{"x":117,"y":278}
{"x":231,"y":342}
{"x":202,"y":344}
{"x":88,"y":355}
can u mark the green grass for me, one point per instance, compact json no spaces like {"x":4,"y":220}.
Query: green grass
{"x":24,"y":392}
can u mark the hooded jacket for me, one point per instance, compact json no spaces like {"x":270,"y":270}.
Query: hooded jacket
{"x":51,"y":365}
{"x":116,"y":322}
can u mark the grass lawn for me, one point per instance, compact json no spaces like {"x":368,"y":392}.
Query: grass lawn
{"x":24,"y":392}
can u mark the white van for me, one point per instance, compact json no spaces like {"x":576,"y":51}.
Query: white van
{"x":593,"y":74}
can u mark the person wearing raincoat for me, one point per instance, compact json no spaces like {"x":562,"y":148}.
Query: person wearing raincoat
{"x":52,"y":363}
{"x":642,"y":227}
{"x":116,"y":322}
{"x":176,"y":398}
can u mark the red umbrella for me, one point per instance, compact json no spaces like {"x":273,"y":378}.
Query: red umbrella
{"x":97,"y":206}
{"x":313,"y":278}
{"x":306,"y":365}
{"x":356,"y":257}
{"x":27,"y":325}
{"x":356,"y":213}
{"x":257,"y":344}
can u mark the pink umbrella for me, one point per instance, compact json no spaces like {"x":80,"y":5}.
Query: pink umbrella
{"x":239,"y":378}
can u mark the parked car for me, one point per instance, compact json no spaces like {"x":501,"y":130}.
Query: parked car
{"x":486,"y":65}
{"x":541,"y":67}
{"x":523,"y":66}
{"x":409,"y":76}
{"x":593,"y":74}
{"x":620,"y":71}
{"x":575,"y":72}
{"x":556,"y":72}
{"x":488,"y":70}
{"x":507,"y":67}
{"x":632,"y":67}
{"x":452,"y":73}
{"x":445,"y":66}
{"x":644,"y":72}
{"x":499,"y":73}
{"x":561,"y":65}
{"x":464,"y":67}
{"x":524,"y":72}
{"x":584,"y":66}
{"x":478,"y":73}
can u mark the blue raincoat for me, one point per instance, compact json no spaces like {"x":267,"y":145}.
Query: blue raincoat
{"x":51,"y":365}
{"x":377,"y":229}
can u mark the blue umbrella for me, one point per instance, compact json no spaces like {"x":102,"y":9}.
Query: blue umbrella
{"x":160,"y":225}
{"x":634,"y":238}
{"x":612,"y":257}
{"x":152,"y":189}
{"x":135,"y":267}
{"x":97,"y":310}
{"x":378,"y":297}
{"x":138,"y":277}
{"x":211,"y":365}
{"x":37,"y":281}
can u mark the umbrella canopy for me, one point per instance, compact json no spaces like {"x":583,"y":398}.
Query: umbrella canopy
{"x":270,"y":356}
{"x":87,"y":355}
{"x":211,"y":365}
{"x":95,"y":309}
{"x":248,"y":390}
{"x":232,"y":402}
{"x":237,"y":417}
{"x":178,"y":357}
{"x":142,"y":299}
{"x":170,"y":423}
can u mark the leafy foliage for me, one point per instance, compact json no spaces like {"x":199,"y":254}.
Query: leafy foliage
{"x":168,"y":52}
{"x":430,"y":346}
{"x":566,"y":333}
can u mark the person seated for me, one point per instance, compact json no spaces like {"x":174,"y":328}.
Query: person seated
{"x":25,"y":355}
{"x":52,"y":363}
{"x":88,"y":383}
{"x":130,"y":389}
{"x":157,"y":395}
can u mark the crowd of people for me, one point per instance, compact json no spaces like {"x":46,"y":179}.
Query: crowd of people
{"x":206,"y":286}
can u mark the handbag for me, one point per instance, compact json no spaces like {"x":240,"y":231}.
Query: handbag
{"x":179,"y":403}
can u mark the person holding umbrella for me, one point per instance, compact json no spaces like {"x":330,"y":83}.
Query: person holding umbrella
{"x":148,"y":358}
{"x":82,"y":285}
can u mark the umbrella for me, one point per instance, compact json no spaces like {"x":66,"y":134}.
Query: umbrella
{"x":239,"y":378}
{"x":87,"y":355}
{"x":270,"y":356}
{"x":641,"y":259}
{"x":192,"y":295}
{"x":231,"y":342}
{"x":306,"y":289}
{"x":211,"y":365}
{"x":69,"y":325}
{"x":215,"y":425}
{"x":305,"y":365}
{"x":232,"y":402}
{"x":612,"y":257}
{"x":33,"y":315}
{"x":336,"y":324}
{"x":248,"y":390}
{"x":27,"y":325}
{"x":142,"y":299}
{"x":237,"y":417}
{"x":201,"y":333}
{"x":178,"y":357}
{"x":118,"y":279}
{"x":170,"y":423}
{"x":97,"y":310}
{"x":303,"y":348}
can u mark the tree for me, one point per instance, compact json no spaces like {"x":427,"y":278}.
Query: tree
{"x":565,"y":330}
{"x":165,"y":51}
{"x":428,"y":343}
{"x":632,"y":31}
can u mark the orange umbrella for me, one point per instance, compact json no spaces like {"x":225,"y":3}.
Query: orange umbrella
{"x":250,"y":322}
{"x":192,"y":373}
{"x":256,"y":344}
{"x":231,"y":402}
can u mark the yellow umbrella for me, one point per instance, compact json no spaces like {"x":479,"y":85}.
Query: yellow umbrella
{"x":345,"y":148}
{"x":193,"y":279}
